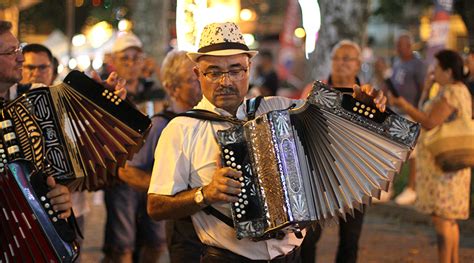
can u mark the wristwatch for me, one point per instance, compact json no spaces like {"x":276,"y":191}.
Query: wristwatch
{"x":199,"y":197}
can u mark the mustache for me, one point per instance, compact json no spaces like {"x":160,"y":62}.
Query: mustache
{"x":227,"y":90}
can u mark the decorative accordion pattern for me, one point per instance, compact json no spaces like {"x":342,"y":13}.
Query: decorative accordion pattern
{"x":313,"y":163}
{"x":88,"y":131}
{"x":79,"y":133}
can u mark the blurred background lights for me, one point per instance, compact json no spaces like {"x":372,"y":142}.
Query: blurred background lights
{"x":124,"y":25}
{"x":78,"y":40}
{"x":83,"y":62}
{"x":247,"y":15}
{"x":249,"y":39}
{"x":300,"y":33}
{"x":99,"y":34}
{"x":97,"y":63}
{"x":72,"y":63}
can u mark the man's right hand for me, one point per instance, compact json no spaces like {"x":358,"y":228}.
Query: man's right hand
{"x":224,"y":187}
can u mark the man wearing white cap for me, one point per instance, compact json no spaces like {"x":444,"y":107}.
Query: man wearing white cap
{"x":186,"y":177}
{"x":130,"y":235}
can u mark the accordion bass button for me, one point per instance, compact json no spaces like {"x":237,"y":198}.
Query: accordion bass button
{"x":50,"y":212}
{"x":243,"y":212}
{"x":232,"y":159}
{"x":246,"y":202}
{"x":46,"y":205}
{"x":237,"y":210}
{"x":228,"y":163}
{"x":242,"y":184}
{"x":226,"y":150}
{"x":239,"y":167}
{"x":55,"y":219}
{"x":355,"y":109}
{"x":227,"y":156}
{"x":231,"y":153}
{"x":42,"y":198}
{"x":244,"y":196}
{"x":239,"y":216}
{"x":236,"y":204}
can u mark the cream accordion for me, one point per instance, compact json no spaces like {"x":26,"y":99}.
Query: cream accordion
{"x":313,"y":163}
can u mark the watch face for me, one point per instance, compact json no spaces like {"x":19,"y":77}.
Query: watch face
{"x":198,"y":197}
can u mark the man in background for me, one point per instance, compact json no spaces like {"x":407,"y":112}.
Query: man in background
{"x":130,"y":235}
{"x":408,"y":79}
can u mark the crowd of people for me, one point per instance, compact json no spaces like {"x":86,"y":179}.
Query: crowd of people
{"x":162,"y":198}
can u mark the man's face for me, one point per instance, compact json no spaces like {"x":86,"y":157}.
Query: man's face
{"x":11,"y":59}
{"x":404,"y":47}
{"x":129,"y":63}
{"x":37,"y":68}
{"x":189,"y":91}
{"x":345,"y":62}
{"x":228,"y":91}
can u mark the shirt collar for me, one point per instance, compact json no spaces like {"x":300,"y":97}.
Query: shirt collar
{"x":205,"y":104}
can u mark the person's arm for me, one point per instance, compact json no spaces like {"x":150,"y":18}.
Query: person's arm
{"x":224,"y":187}
{"x":441,"y":110}
{"x":60,"y":197}
{"x":135,"y":177}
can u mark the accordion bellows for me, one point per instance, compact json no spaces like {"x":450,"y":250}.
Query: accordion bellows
{"x":314,"y":163}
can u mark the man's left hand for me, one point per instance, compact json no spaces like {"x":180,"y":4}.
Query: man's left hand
{"x":60,"y":198}
{"x":113,"y":82}
{"x":377,"y":96}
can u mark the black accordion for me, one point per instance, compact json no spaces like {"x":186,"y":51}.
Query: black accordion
{"x":79,"y":133}
{"x":313,"y":163}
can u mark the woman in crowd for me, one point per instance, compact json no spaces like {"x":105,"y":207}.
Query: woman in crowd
{"x":443,"y":195}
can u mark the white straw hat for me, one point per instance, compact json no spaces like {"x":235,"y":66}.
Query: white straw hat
{"x":221,"y":39}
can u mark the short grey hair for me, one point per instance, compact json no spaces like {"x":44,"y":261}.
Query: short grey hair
{"x":5,"y":26}
{"x":405,"y":34}
{"x":347,"y":43}
{"x":173,"y":62}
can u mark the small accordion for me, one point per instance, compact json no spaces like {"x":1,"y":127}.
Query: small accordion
{"x":313,"y":163}
{"x":88,"y":131}
{"x":79,"y":133}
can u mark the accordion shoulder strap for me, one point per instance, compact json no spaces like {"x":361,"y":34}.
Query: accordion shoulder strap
{"x":216,"y":213}
{"x":252,"y":106}
{"x":209,"y":116}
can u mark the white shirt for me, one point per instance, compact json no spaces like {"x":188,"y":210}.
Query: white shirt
{"x":186,"y":155}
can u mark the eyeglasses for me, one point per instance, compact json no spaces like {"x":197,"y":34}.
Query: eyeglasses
{"x":344,"y":59}
{"x":42,"y":67}
{"x":137,"y":58}
{"x":234,"y":74}
{"x":14,"y":51}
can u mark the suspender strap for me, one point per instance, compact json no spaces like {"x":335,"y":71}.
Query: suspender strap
{"x":252,"y":106}
{"x":209,"y":116}
{"x":216,"y":213}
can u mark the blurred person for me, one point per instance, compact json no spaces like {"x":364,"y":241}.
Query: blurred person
{"x":266,"y":81}
{"x":183,"y":89}
{"x":149,"y":68}
{"x":470,"y":75}
{"x":38,"y":66}
{"x":130,"y":234}
{"x":40,"y":69}
{"x":408,"y":75}
{"x":345,"y":66}
{"x":443,"y":195}
{"x":187,"y":179}
{"x":382,"y":71}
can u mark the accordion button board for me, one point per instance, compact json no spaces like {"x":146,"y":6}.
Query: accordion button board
{"x":315,"y":163}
